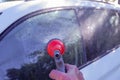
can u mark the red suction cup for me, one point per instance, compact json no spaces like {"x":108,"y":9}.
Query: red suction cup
{"x":54,"y":45}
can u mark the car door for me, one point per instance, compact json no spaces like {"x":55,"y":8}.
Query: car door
{"x":101,"y":33}
{"x":23,"y":44}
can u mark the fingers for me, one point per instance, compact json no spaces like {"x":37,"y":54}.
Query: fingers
{"x":75,"y":71}
{"x":70,"y":67}
{"x":79,"y":74}
{"x":57,"y":75}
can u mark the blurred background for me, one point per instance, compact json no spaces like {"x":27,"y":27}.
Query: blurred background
{"x":90,"y":0}
{"x":113,"y":1}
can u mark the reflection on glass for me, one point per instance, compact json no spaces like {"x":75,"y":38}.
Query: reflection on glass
{"x":101,"y":29}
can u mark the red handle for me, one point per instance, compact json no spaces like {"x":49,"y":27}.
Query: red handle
{"x":54,"y":45}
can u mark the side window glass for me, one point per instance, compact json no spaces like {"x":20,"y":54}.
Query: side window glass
{"x":101,"y":29}
{"x":23,"y":50}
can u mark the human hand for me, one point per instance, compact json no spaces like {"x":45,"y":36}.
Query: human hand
{"x":72,"y":74}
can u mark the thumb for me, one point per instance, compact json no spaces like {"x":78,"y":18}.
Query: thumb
{"x":57,"y":75}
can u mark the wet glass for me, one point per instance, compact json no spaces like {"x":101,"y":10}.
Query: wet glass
{"x":23,"y":50}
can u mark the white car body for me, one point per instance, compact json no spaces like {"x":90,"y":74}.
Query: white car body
{"x":104,"y":68}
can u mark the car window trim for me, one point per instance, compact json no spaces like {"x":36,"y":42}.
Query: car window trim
{"x":22,"y":19}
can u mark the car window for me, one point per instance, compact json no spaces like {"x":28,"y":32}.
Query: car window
{"x":23,"y":50}
{"x":100,"y":29}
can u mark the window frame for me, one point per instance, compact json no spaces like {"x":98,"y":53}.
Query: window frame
{"x":42,"y":11}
